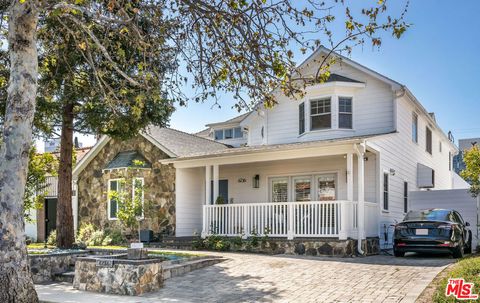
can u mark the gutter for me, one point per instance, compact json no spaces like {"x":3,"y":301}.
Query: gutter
{"x":360,"y":151}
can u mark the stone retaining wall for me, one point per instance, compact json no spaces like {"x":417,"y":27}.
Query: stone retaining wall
{"x":44,"y":267}
{"x":125,"y":277}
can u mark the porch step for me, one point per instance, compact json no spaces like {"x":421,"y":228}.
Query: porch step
{"x":64,"y":277}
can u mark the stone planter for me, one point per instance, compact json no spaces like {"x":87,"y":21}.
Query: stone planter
{"x":44,"y":267}
{"x":118,"y":276}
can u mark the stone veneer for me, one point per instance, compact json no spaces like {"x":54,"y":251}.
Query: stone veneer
{"x":159,"y":186}
{"x":316,"y":247}
{"x":44,"y":267}
{"x":125,"y":277}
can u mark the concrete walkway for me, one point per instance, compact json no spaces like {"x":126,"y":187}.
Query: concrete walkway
{"x":260,"y":278}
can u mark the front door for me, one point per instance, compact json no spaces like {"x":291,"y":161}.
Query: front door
{"x":222,"y":191}
{"x":50,"y":216}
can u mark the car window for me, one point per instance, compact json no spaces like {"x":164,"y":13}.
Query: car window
{"x":429,"y":215}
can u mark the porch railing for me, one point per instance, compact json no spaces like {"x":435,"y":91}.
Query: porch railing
{"x":289,"y":219}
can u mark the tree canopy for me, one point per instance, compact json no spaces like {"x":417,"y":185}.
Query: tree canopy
{"x":471,"y":173}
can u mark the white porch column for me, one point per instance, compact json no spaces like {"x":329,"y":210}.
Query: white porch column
{"x":361,"y":195}
{"x":208,"y":184}
{"x":215,"y":183}
{"x":346,"y":208}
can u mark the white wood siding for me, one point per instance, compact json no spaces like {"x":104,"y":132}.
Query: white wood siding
{"x":399,"y":152}
{"x":245,"y":193}
{"x":373,"y":111}
{"x":190,"y":193}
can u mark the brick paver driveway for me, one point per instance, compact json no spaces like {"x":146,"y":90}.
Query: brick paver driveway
{"x":259,"y":278}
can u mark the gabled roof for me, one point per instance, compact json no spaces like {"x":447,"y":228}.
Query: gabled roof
{"x":130,"y":158}
{"x":233,"y":120}
{"x":276,"y":147}
{"x":173,"y":142}
{"x":340,"y":78}
{"x":182,"y":144}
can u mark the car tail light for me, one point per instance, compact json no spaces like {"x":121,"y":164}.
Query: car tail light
{"x":401,"y":244}
{"x":445,"y":226}
{"x":400,"y":227}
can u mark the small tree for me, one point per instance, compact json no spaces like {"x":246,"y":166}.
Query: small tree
{"x":471,"y":173}
{"x":40,"y":166}
{"x":131,"y":207}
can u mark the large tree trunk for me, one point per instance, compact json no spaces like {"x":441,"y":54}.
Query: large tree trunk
{"x":16,"y":283}
{"x":65,"y":232}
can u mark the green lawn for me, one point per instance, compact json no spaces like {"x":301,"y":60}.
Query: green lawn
{"x":38,"y":246}
{"x":468,"y":269}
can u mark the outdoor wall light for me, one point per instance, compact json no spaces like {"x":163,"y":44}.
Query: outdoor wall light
{"x":256,"y":181}
{"x":242,"y":180}
{"x":392,"y":172}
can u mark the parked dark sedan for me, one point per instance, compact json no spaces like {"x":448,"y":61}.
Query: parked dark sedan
{"x":432,"y":231}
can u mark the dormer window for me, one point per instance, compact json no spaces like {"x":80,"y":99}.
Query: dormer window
{"x":320,"y":114}
{"x":219,"y":134}
{"x":345,"y":113}
{"x":228,"y":133}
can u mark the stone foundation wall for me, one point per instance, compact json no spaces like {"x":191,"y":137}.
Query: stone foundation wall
{"x":159,"y":188}
{"x":44,"y":267}
{"x":315,"y":247}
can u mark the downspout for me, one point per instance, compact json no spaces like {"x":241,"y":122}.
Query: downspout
{"x":360,"y":151}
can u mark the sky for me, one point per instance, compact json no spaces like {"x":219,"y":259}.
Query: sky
{"x":437,"y":59}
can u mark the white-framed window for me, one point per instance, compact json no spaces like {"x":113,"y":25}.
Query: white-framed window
{"x":301,"y":118}
{"x":321,"y":114}
{"x":114,"y":186}
{"x":279,"y":189}
{"x":345,"y":113}
{"x":385,"y":190}
{"x":138,"y":190}
{"x":428,"y":139}
{"x":415,"y":127}
{"x":219,"y":134}
{"x":440,"y":146}
{"x":228,"y":133}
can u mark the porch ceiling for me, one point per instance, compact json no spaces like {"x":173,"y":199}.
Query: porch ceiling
{"x":272,"y":152}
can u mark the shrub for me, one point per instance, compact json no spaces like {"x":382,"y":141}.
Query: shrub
{"x":52,"y":238}
{"x":96,"y":239}
{"x":116,"y":236}
{"x":222,"y":245}
{"x":107,"y":241}
{"x":85,"y":233}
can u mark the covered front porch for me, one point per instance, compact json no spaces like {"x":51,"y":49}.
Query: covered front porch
{"x":319,"y":191}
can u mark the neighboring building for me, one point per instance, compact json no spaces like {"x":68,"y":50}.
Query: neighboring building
{"x":338,"y":164}
{"x":463,"y":144}
{"x":51,"y":145}
{"x":45,"y":218}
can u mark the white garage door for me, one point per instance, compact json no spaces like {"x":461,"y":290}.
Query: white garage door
{"x":458,"y":199}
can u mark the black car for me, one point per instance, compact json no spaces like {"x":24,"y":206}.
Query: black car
{"x":432,"y":231}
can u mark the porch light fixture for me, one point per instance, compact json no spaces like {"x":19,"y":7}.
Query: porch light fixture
{"x":256,"y":181}
{"x":392,"y":172}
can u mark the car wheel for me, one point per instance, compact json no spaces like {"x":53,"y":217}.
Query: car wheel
{"x":458,"y":252}
{"x":468,"y":249}
{"x":398,"y":254}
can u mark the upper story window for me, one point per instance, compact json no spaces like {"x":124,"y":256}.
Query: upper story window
{"x":415,"y":127}
{"x":428,"y":137}
{"x":320,"y":114}
{"x":440,"y":146}
{"x":345,"y":113}
{"x":228,"y":133}
{"x":301,"y":118}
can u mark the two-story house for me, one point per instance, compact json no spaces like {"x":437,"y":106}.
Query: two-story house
{"x":338,"y":164}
